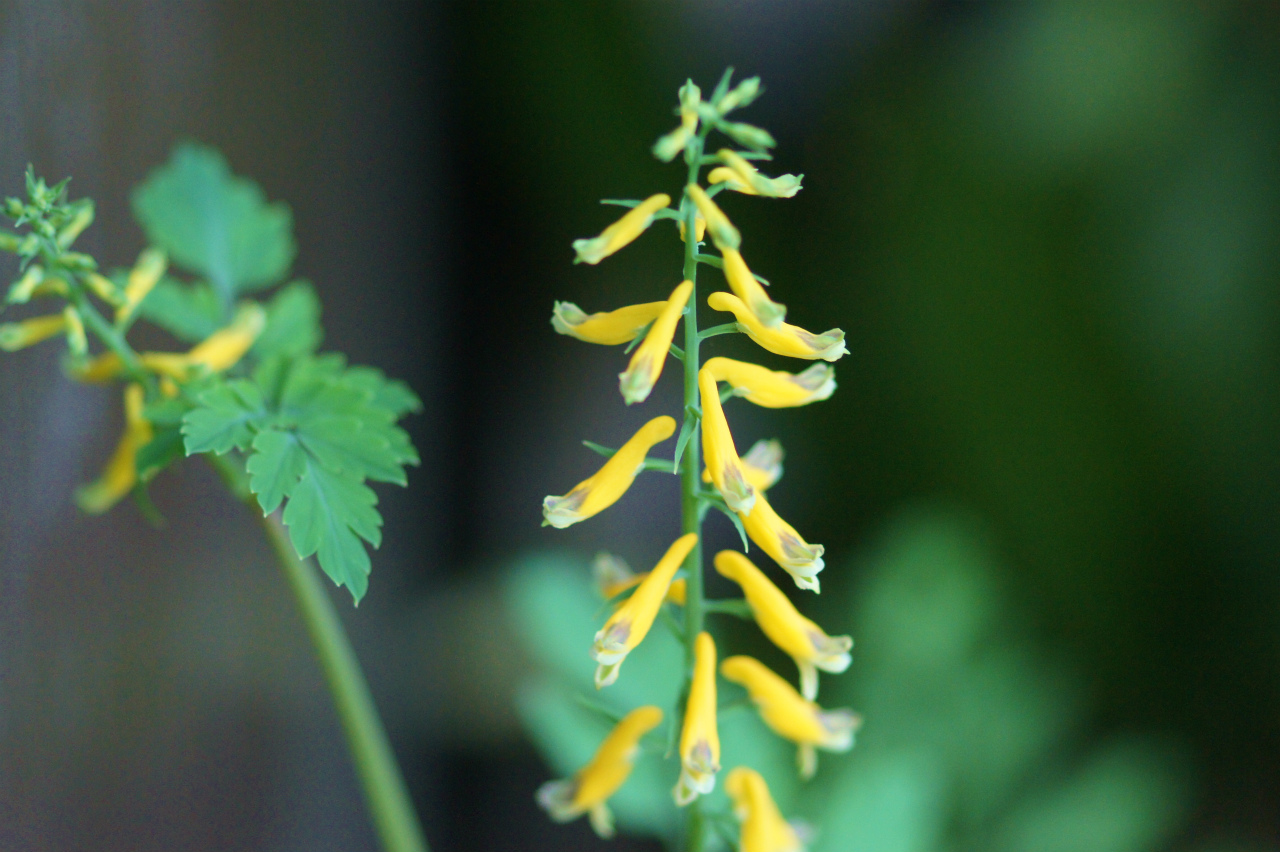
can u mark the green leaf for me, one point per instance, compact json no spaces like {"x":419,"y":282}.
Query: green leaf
{"x":328,"y":513}
{"x":293,"y":323}
{"x":214,"y":223}
{"x":164,"y":448}
{"x":275,"y":467}
{"x":390,"y":394}
{"x":190,"y":312}
{"x":228,"y":416}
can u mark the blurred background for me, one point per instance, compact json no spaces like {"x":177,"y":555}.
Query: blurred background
{"x":1048,"y":484}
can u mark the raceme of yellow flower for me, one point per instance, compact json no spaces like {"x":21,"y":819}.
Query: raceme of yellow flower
{"x":774,"y":388}
{"x":642,"y":373}
{"x":743,"y":177}
{"x":612,"y":328}
{"x":805,"y":642}
{"x":29,"y":332}
{"x":790,"y":715}
{"x":622,"y":232}
{"x":750,"y":291}
{"x":588,"y":791}
{"x":630,"y":623}
{"x":144,"y":276}
{"x":666,"y":148}
{"x":699,"y":738}
{"x":763,"y":827}
{"x":121,"y":472}
{"x":600,"y":491}
{"x":723,"y":233}
{"x":789,"y":340}
{"x":724,"y":466}
{"x":762,"y":465}
{"x":613,"y":577}
{"x":784,"y":545}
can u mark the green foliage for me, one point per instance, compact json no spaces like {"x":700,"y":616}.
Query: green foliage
{"x":293,"y":323}
{"x":190,"y":312}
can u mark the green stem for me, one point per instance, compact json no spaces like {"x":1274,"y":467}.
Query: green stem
{"x":110,"y":337}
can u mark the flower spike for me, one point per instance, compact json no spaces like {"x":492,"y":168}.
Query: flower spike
{"x":588,"y":791}
{"x":743,"y":177}
{"x":666,"y":148}
{"x":748,"y":289}
{"x":646,"y":364}
{"x":700,"y":739}
{"x":779,"y":539}
{"x":622,"y":232}
{"x":724,"y":466}
{"x":610,"y":329}
{"x":774,"y":388}
{"x":613,"y":577}
{"x":597,"y":493}
{"x":630,"y":623}
{"x":121,"y":472}
{"x":789,"y":340}
{"x":790,"y":715}
{"x":763,"y":827}
{"x":805,"y":642}
{"x":723,"y":233}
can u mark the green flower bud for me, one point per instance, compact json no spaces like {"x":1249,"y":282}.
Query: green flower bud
{"x":742,"y":95}
{"x":748,"y":135}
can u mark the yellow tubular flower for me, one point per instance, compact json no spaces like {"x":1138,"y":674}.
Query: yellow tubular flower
{"x":22,"y":290}
{"x":723,"y":233}
{"x":779,"y":539}
{"x":789,"y":340}
{"x":743,"y":177}
{"x":790,"y":715}
{"x":699,"y":740}
{"x":699,"y":227}
{"x":774,"y":388}
{"x":621,"y":326}
{"x":621,"y":232}
{"x":597,"y":493}
{"x":121,"y":473}
{"x":666,"y":148}
{"x":588,"y":791}
{"x":630,"y":623}
{"x":805,"y":642}
{"x":763,"y":827}
{"x":20,"y":335}
{"x":217,"y":352}
{"x":144,"y":276}
{"x":749,"y":290}
{"x":646,"y":362}
{"x":762,"y":465}
{"x":613,"y":577}
{"x":727,"y":472}
{"x":77,"y":343}
{"x":103,"y":288}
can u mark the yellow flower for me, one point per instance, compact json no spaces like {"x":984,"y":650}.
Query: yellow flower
{"x":699,"y":227}
{"x":23,"y":289}
{"x":774,"y":388}
{"x":790,"y":715}
{"x":762,"y":465}
{"x":621,"y":232}
{"x":699,"y":739}
{"x":805,"y":642}
{"x":613,"y":577}
{"x":630,"y":623}
{"x":588,"y":791}
{"x":597,"y":493}
{"x":763,"y":827}
{"x":788,"y":340}
{"x":666,"y":148}
{"x":646,"y":363}
{"x":723,"y":464}
{"x":77,"y":343}
{"x":743,"y":177}
{"x":121,"y":472}
{"x":779,"y":539}
{"x":144,"y":276}
{"x":749,"y":290}
{"x":723,"y":233}
{"x":20,"y":335}
{"x":621,"y":326}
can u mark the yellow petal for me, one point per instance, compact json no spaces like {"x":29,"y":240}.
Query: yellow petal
{"x":146,"y":272}
{"x":774,"y":388}
{"x":762,"y":465}
{"x":622,"y":232}
{"x":724,"y":466}
{"x":723,"y":233}
{"x":29,"y":332}
{"x":121,"y":473}
{"x":788,"y":340}
{"x":763,"y":827}
{"x":642,"y":373}
{"x":784,"y":545}
{"x":699,"y":738}
{"x":749,"y":290}
{"x":724,"y":174}
{"x":699,"y":227}
{"x":610,"y":329}
{"x":783,"y":186}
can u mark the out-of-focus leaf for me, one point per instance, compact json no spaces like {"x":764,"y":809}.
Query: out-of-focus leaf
{"x":293,"y":323}
{"x":190,"y":312}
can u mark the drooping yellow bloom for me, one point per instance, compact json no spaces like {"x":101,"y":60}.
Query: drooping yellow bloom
{"x":723,"y":233}
{"x":613,"y":577}
{"x":790,"y":715}
{"x":789,"y":340}
{"x":611,"y":328}
{"x":774,"y":388}
{"x":779,"y":539}
{"x":29,"y":332}
{"x":121,"y":472}
{"x":762,"y":464}
{"x":699,"y":739}
{"x":622,"y":232}
{"x":144,"y":276}
{"x":805,"y":642}
{"x":597,"y":493}
{"x":630,"y":623}
{"x":104,"y":288}
{"x":724,"y":466}
{"x":763,"y":826}
{"x":666,"y":148}
{"x":743,"y":177}
{"x":588,"y":791}
{"x":637,"y":382}
{"x":750,"y":291}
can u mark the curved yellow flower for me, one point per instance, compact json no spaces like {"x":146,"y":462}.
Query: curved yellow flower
{"x":666,"y":148}
{"x":790,"y":715}
{"x":763,"y":827}
{"x":789,"y":340}
{"x":802,"y":640}
{"x":699,"y":739}
{"x":588,"y":791}
{"x":613,"y":577}
{"x":597,"y":493}
{"x":612,"y":328}
{"x":774,"y":388}
{"x":631,"y":621}
{"x":144,"y":276}
{"x":29,"y":332}
{"x":723,"y":233}
{"x":780,"y":540}
{"x":726,"y":469}
{"x":750,"y":291}
{"x":637,"y":382}
{"x":743,"y":177}
{"x":622,"y":232}
{"x":121,"y":472}
{"x":762,"y":465}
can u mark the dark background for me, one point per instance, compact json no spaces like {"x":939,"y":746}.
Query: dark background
{"x":1049,"y":231}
